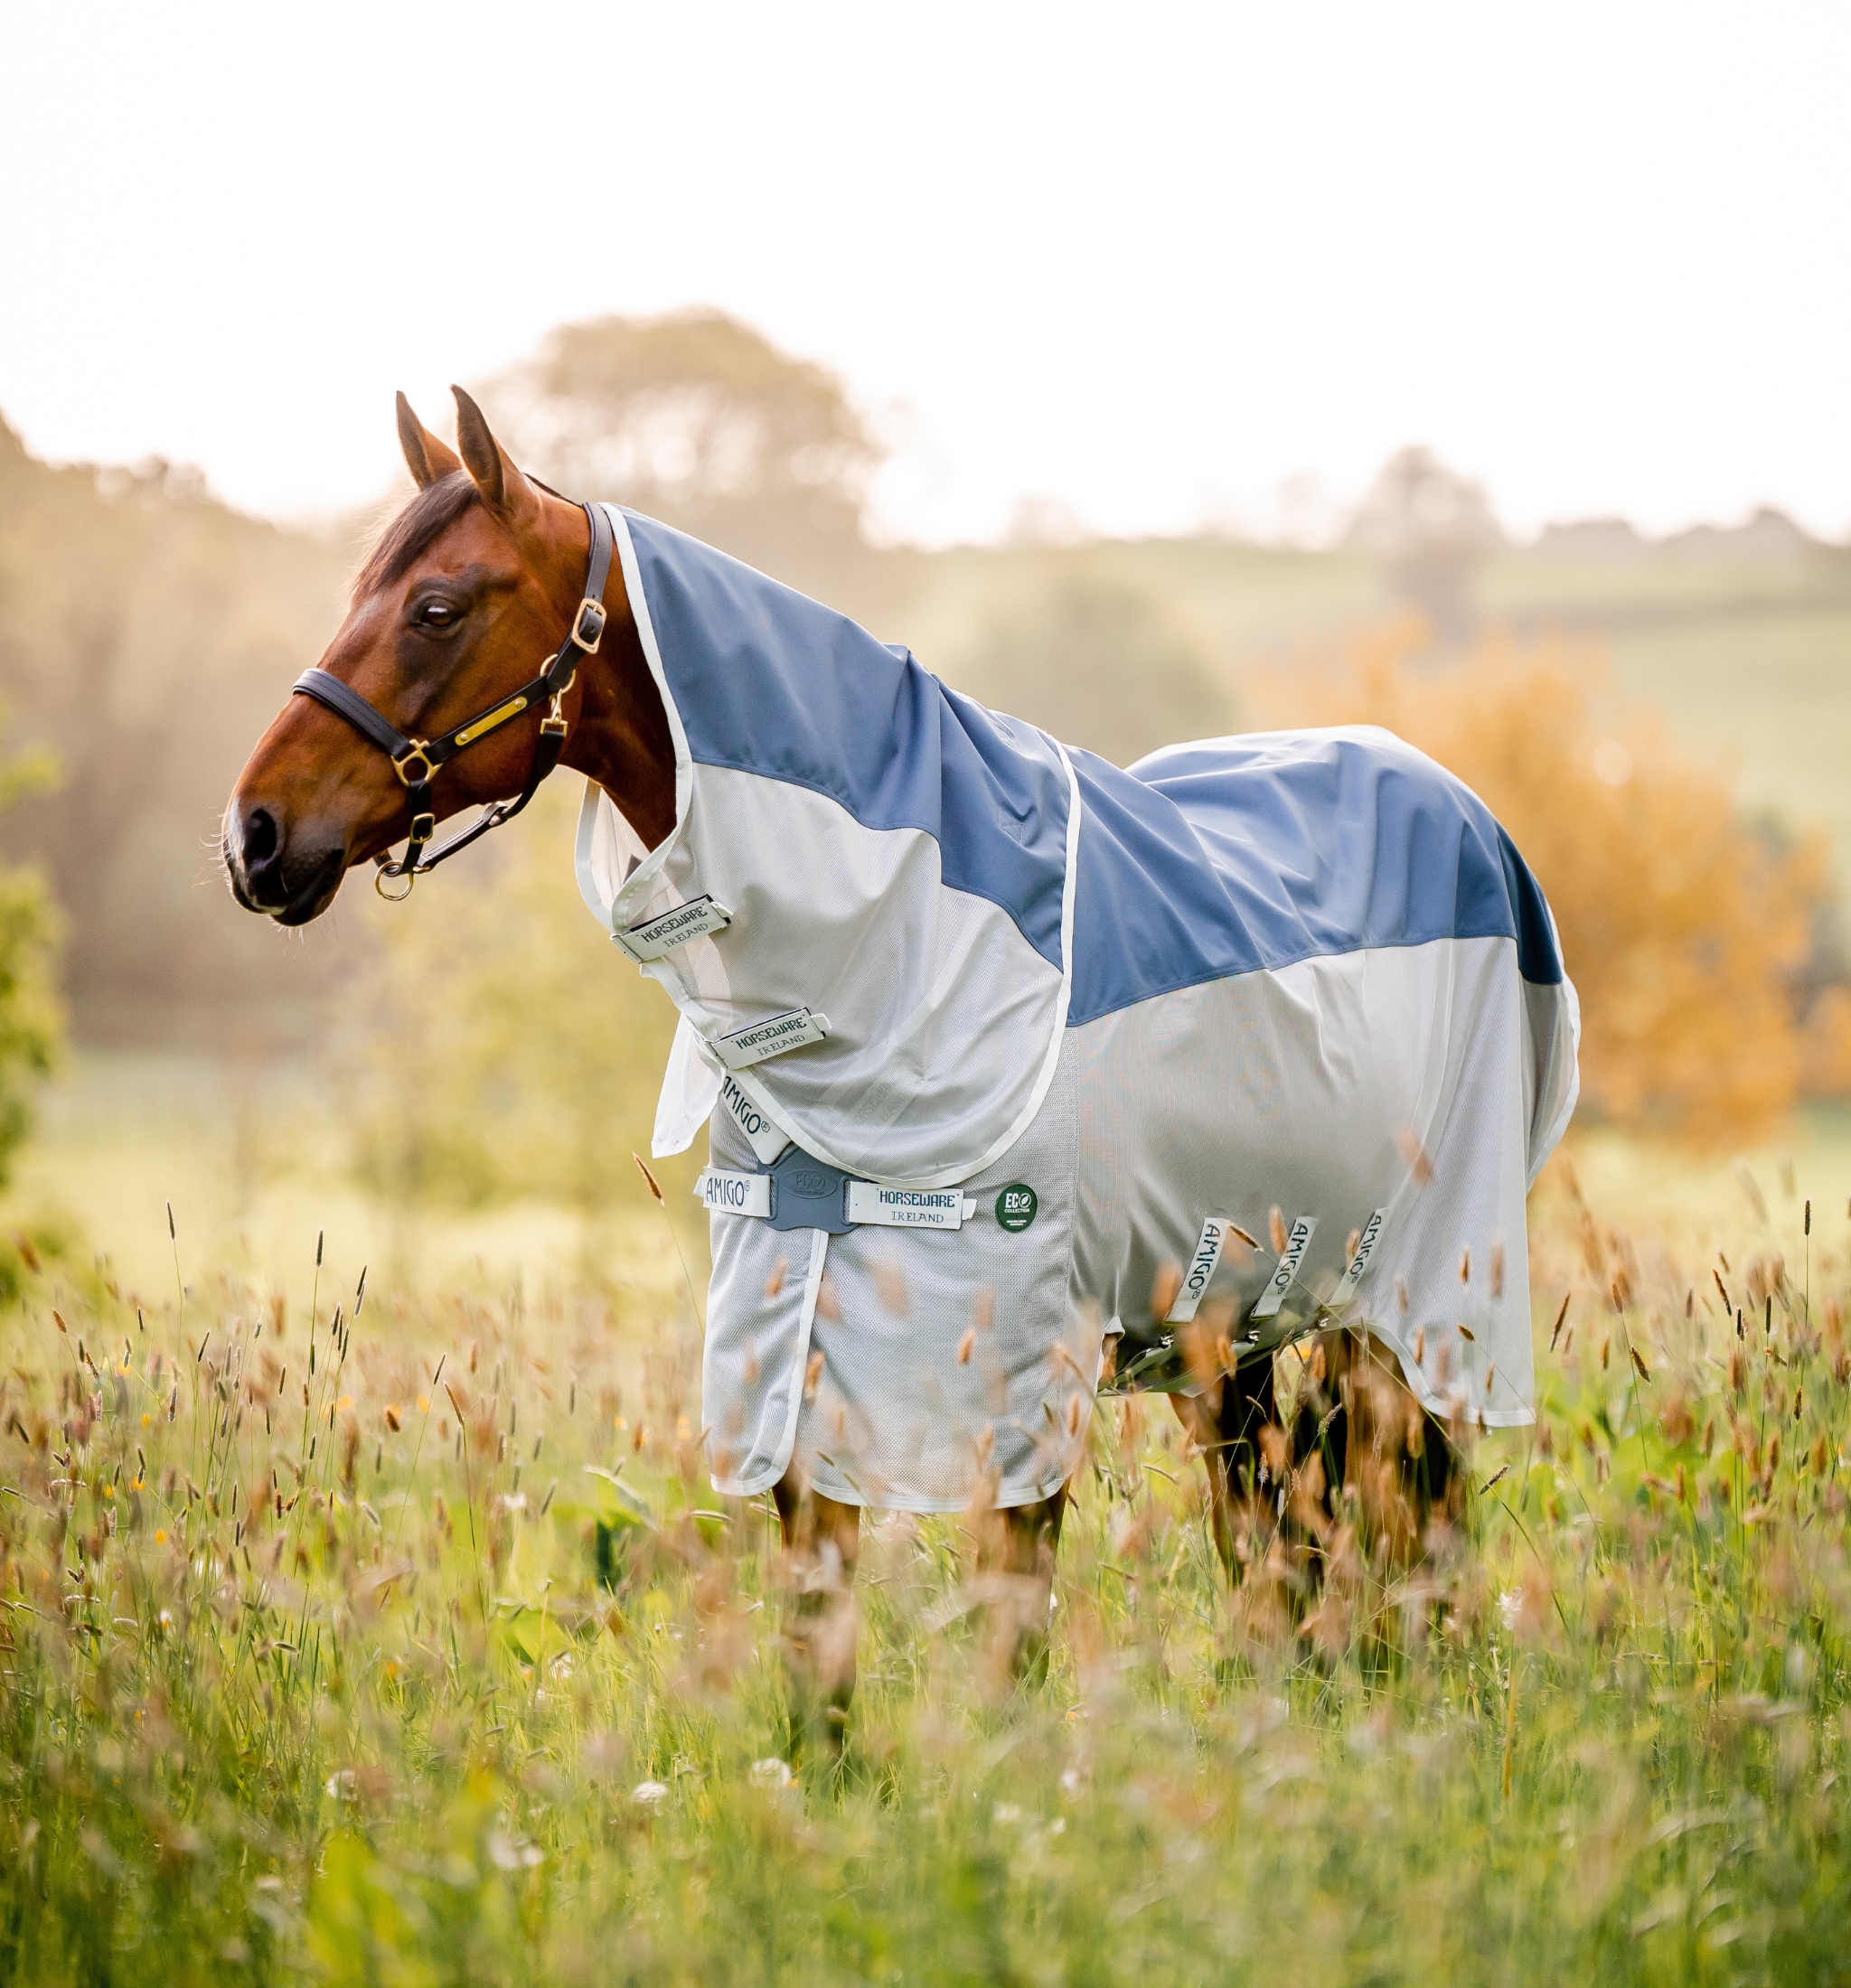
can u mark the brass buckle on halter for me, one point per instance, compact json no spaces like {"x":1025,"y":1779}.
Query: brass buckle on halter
{"x":415,"y":752}
{"x":590,"y":612}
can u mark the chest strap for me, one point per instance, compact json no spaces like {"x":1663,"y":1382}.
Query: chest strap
{"x":801,"y":1192}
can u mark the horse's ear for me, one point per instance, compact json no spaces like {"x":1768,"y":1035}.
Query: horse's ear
{"x":496,"y":477}
{"x":427,"y":458}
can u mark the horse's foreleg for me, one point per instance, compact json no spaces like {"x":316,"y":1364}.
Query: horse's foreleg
{"x":822,"y":1540}
{"x":1015,"y":1556}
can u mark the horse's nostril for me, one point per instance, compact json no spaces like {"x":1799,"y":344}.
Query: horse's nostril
{"x":260,"y":839}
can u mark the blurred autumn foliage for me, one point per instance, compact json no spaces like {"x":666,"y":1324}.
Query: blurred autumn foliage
{"x":1712,"y":997}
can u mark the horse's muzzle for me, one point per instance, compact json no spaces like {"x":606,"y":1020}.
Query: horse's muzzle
{"x":275,"y":874}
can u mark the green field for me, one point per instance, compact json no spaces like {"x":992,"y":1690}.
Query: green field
{"x":345,"y":1689}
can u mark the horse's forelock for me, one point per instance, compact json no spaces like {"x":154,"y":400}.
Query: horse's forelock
{"x":429,"y":514}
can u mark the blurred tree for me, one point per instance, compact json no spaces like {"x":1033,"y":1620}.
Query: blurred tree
{"x":1434,"y":528}
{"x":1687,"y":934}
{"x":148,"y":635}
{"x":31,"y":1015}
{"x":1100,"y":665}
{"x":700,"y":421}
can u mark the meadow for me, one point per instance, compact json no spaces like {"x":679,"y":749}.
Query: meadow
{"x":365,"y":1611}
{"x":395,"y":1635}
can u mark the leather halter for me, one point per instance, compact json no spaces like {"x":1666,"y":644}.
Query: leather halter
{"x":417,"y":761}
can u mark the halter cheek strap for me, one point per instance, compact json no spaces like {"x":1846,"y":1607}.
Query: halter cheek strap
{"x":417,"y":761}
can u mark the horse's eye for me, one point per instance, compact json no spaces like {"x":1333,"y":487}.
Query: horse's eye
{"x":436,"y":614}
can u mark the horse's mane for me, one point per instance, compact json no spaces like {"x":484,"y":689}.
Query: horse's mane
{"x":430,"y":513}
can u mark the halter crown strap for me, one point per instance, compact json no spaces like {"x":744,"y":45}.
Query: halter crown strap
{"x":417,"y":761}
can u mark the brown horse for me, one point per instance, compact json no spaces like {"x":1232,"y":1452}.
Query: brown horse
{"x":470,"y":583}
{"x":470,"y":587}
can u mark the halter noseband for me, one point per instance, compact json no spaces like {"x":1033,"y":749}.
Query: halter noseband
{"x":417,"y":761}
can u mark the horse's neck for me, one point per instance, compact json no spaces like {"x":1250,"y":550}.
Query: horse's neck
{"x":620,"y":737}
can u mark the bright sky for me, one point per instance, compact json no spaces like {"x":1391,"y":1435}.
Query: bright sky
{"x":1151,"y":261}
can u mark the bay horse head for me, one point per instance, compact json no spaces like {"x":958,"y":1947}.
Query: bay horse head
{"x":482,"y":645}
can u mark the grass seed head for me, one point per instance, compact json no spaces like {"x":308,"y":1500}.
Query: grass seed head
{"x":890,"y":1287}
{"x":662,"y":1200}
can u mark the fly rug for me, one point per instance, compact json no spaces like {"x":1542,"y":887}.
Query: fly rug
{"x":987,"y":1035}
{"x":1024,"y":1076}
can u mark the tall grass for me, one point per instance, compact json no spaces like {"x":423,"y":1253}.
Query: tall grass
{"x":405,"y":1642}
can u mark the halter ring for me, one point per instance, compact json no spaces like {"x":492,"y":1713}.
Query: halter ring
{"x":416,"y":752}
